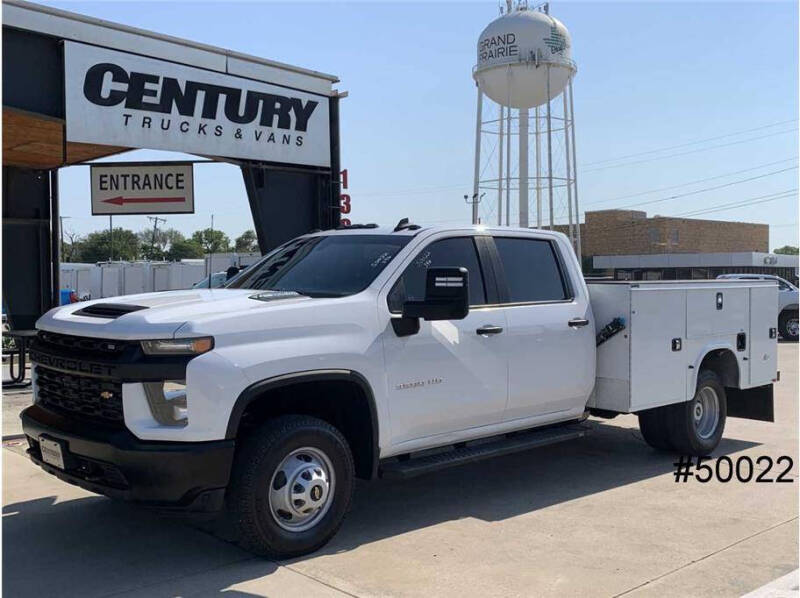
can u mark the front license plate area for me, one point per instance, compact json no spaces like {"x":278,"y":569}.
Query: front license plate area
{"x":52,"y":452}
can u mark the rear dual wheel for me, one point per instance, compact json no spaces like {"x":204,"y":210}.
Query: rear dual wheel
{"x":691,"y":428}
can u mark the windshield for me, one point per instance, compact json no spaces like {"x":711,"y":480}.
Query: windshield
{"x":325,"y":266}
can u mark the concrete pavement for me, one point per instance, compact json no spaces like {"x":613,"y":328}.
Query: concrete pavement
{"x":601,"y":516}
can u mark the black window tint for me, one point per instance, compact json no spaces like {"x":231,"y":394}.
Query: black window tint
{"x":324,"y":266}
{"x":531,"y":270}
{"x":456,"y":252}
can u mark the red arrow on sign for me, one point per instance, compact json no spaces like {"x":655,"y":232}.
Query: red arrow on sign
{"x":118,"y":201}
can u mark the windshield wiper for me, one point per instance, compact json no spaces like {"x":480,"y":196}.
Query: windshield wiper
{"x":272,"y":294}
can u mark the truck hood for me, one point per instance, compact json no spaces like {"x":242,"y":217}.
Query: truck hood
{"x":159,"y":315}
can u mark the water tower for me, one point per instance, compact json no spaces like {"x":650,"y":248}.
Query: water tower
{"x":524,"y":65}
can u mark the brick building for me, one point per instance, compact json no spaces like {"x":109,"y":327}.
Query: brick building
{"x":631,"y":232}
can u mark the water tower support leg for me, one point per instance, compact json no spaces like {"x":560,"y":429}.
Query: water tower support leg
{"x":549,"y":153}
{"x":476,"y":181}
{"x":575,"y":170}
{"x":500,"y":169}
{"x":508,"y":167}
{"x":523,"y":168}
{"x":569,"y":171}
{"x":538,"y":171}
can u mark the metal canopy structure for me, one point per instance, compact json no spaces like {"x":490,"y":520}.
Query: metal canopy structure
{"x":160,"y":92}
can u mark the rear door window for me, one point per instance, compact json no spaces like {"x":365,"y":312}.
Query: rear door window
{"x":531,"y":269}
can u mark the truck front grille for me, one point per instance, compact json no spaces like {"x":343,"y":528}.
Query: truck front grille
{"x":81,"y":346}
{"x":85,"y":397}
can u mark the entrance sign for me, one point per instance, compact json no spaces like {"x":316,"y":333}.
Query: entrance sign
{"x":142,"y":188}
{"x":125,"y":100}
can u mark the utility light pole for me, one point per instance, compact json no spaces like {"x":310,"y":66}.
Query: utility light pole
{"x":210,"y":250}
{"x":61,"y":232}
{"x":155,"y":220}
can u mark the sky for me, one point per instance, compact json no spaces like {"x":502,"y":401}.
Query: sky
{"x":671,"y":99}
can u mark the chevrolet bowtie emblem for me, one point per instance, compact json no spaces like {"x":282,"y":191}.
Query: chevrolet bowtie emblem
{"x":106,"y":394}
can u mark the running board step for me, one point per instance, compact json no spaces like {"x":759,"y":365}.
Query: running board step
{"x":504,"y":445}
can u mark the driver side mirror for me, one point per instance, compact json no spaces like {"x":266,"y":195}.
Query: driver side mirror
{"x":446,"y":296}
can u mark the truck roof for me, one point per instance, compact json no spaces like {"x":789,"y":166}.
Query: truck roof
{"x":413,"y":230}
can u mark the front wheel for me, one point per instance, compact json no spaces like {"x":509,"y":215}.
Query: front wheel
{"x":291,"y":486}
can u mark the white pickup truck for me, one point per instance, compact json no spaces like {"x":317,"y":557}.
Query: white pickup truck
{"x":367,"y":352}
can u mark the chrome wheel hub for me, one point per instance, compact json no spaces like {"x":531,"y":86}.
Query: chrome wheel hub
{"x":705,"y":412}
{"x":792,"y":327}
{"x":301,"y":489}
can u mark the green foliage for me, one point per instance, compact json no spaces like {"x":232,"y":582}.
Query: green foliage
{"x":184,"y":249}
{"x":247,"y":242}
{"x":97,"y":246}
{"x":212,"y":241}
{"x":153,"y":253}
{"x":163,"y":238}
{"x":787,"y":250}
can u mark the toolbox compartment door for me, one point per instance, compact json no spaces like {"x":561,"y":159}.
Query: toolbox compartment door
{"x":716,"y":311}
{"x":658,"y":373}
{"x":763,"y":350}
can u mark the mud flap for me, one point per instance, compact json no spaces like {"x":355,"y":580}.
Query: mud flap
{"x":753,"y":403}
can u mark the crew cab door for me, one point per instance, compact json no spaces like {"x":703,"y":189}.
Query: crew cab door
{"x":550,"y":334}
{"x":447,"y":377}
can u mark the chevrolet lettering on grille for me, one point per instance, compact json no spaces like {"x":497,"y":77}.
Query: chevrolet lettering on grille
{"x":72,"y":365}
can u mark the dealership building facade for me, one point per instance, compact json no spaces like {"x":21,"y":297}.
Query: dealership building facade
{"x":76,"y":89}
{"x":629,"y":245}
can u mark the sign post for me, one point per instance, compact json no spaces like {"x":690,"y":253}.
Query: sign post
{"x":142,"y":188}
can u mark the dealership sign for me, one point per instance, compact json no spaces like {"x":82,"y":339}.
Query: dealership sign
{"x":119,"y":99}
{"x":142,"y":188}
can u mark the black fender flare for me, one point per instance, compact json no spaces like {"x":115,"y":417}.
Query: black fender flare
{"x":255,"y":390}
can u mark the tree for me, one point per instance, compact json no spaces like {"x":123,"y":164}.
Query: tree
{"x":787,"y":250}
{"x":247,"y":242}
{"x":152,"y":253}
{"x":97,"y":246}
{"x":184,"y":249}
{"x":71,"y":245}
{"x":173,"y":236}
{"x":212,"y":241}
{"x":163,"y":238}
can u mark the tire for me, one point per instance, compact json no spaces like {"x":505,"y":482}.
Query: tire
{"x":787,"y":325}
{"x":283,"y":456}
{"x":696,"y":426}
{"x":654,"y":425}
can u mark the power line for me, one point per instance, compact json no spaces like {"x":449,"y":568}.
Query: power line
{"x":687,"y":184}
{"x":714,"y":188}
{"x":742,"y":203}
{"x":717,"y":207}
{"x":663,"y":149}
{"x":702,"y":149}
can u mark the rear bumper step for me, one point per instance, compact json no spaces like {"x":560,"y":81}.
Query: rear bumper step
{"x":478,"y":452}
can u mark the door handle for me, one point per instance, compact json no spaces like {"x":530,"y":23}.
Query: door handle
{"x":578,"y":322}
{"x":488,"y":329}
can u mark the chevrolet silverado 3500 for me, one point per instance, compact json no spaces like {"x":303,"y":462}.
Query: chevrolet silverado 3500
{"x":367,"y":352}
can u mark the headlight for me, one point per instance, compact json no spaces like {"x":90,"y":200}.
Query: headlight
{"x":167,"y":401}
{"x":179,"y":346}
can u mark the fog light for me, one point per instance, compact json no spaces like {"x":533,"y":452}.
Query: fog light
{"x":167,"y":401}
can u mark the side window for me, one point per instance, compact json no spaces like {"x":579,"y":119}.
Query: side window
{"x":455,"y":252}
{"x":531,"y":270}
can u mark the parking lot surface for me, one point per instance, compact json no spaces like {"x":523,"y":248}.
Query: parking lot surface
{"x":601,"y":516}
